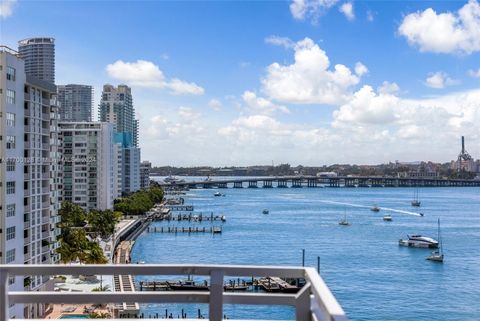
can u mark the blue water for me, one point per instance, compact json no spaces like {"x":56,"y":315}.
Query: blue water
{"x":370,"y":275}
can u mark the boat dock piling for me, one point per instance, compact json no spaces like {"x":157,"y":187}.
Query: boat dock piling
{"x":182,"y":229}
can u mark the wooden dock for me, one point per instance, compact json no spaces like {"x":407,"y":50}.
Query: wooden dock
{"x":183,"y":229}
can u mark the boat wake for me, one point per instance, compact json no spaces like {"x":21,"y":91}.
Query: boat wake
{"x":364,"y":206}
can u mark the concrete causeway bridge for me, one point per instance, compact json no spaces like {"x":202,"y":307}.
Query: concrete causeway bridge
{"x":314,"y":181}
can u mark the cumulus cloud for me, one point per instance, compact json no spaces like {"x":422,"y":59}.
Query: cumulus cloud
{"x":262,"y":105}
{"x":347,"y":10}
{"x":280,"y":41}
{"x":142,"y":73}
{"x":474,"y":73}
{"x":360,"y":69}
{"x":388,"y":88}
{"x":215,"y":104}
{"x":188,"y":113}
{"x":6,"y":8}
{"x":449,"y":32}
{"x":309,"y":79}
{"x":439,"y":80}
{"x":310,"y":9}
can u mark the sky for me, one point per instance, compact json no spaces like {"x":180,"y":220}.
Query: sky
{"x":311,"y":82}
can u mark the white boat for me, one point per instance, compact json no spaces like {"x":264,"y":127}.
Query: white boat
{"x":437,"y":255}
{"x":417,"y":240}
{"x":217,"y":194}
{"x":387,"y":217}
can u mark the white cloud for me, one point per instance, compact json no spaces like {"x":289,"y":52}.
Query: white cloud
{"x":439,"y":80}
{"x":360,"y":69}
{"x":146,"y":74}
{"x":6,"y":8}
{"x":188,"y":113}
{"x":309,"y":79}
{"x":347,"y":10}
{"x":280,"y":41}
{"x":370,"y":16}
{"x":310,"y":9}
{"x":474,"y":73}
{"x":367,"y":107}
{"x":215,"y":104}
{"x":388,"y":88}
{"x":262,"y":105}
{"x":449,"y":32}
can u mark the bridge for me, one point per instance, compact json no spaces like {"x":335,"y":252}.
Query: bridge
{"x":314,"y":181}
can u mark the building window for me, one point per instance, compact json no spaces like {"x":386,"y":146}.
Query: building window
{"x":10,"y":142}
{"x":10,"y":210}
{"x":11,"y":280}
{"x":10,"y":73}
{"x":10,"y":187}
{"x":10,"y":165}
{"x":10,"y":96}
{"x":10,"y":119}
{"x":10,"y":257}
{"x":10,"y":233}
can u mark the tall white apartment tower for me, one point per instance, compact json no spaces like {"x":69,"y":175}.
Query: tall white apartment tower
{"x":89,"y":161}
{"x":29,"y":175}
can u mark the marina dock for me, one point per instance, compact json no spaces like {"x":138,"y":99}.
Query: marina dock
{"x":191,"y":217}
{"x":183,"y":229}
{"x":184,"y":208}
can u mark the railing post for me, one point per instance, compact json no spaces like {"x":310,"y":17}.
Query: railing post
{"x":302,"y":304}
{"x":4,"y":306}
{"x":216,"y":295}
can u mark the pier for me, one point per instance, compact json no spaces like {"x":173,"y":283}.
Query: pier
{"x":183,"y":229}
{"x":315,"y":182}
{"x":191,"y":217}
{"x":183,"y":208}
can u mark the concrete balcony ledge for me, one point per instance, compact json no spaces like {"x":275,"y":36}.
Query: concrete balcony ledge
{"x":313,"y":302}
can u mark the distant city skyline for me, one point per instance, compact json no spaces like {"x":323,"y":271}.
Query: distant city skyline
{"x":302,"y":82}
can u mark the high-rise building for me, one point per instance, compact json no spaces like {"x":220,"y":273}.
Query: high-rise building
{"x":39,"y":57}
{"x":88,"y":164}
{"x":29,"y":176}
{"x":76,"y":102}
{"x":116,"y":107}
{"x":145,"y":168}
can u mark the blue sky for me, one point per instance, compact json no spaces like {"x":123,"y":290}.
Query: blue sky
{"x":239,"y":83}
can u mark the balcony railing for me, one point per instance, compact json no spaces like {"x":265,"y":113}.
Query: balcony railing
{"x":313,"y":302}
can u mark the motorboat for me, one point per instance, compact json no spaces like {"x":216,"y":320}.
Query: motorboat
{"x":217,"y":194}
{"x":375,"y":208}
{"x":265,"y":211}
{"x":188,"y":285}
{"x":387,"y":217}
{"x":417,"y":240}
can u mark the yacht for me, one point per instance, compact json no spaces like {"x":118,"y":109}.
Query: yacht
{"x":437,"y":255}
{"x":387,"y":217}
{"x":344,"y":221}
{"x":416,"y":202}
{"x":417,"y":240}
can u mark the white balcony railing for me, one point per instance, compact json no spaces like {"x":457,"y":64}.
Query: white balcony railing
{"x":314,"y":301}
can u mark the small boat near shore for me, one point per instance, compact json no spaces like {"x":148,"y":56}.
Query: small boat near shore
{"x":375,"y":208}
{"x":417,"y":240}
{"x":188,"y":285}
{"x":387,"y":218}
